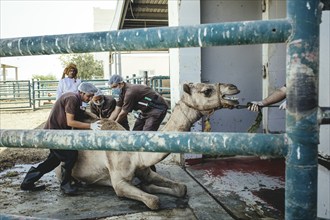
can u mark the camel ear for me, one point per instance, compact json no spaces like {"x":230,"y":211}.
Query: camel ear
{"x":186,"y":88}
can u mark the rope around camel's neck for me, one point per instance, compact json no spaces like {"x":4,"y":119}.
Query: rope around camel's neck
{"x":182,"y":118}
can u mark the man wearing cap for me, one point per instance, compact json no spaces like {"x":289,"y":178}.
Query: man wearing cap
{"x":64,"y":115}
{"x":138,"y":97}
{"x":69,"y":83}
{"x":103,"y":105}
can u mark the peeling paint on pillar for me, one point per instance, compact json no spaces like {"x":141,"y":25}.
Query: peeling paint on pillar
{"x":175,"y":142}
{"x":302,"y":110}
{"x":205,"y":35}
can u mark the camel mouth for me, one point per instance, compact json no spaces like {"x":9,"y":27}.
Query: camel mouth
{"x":231,"y":99}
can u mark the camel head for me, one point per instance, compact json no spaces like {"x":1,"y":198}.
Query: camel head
{"x":210,"y":97}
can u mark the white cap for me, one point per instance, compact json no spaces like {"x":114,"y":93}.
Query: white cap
{"x":115,"y":79}
{"x":86,"y":87}
{"x":98,"y":93}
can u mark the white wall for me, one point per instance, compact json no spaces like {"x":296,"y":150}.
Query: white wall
{"x":157,"y":64}
{"x":323,"y":203}
{"x":239,"y":65}
{"x":185,"y":63}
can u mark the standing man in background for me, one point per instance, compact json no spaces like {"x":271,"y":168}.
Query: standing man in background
{"x":69,"y":83}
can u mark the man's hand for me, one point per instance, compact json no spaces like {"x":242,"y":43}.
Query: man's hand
{"x":255,"y":106}
{"x":283,"y":105}
{"x":96,"y":126}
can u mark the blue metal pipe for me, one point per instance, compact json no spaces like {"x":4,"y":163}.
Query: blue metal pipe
{"x":175,"y":142}
{"x":302,"y":110}
{"x":205,"y":35}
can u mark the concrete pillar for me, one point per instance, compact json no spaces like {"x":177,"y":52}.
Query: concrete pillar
{"x":185,"y":63}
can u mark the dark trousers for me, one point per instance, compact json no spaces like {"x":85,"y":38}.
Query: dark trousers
{"x":150,"y":121}
{"x":55,"y":157}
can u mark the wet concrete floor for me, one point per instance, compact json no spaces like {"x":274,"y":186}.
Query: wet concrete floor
{"x":247,"y":187}
{"x":97,"y":202}
{"x":222,"y":188}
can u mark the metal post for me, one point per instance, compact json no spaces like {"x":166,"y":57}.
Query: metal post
{"x":33,"y":100}
{"x":30,"y":95}
{"x":145,"y":77}
{"x":301,"y":115}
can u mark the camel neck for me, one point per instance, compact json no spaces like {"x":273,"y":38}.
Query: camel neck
{"x":182,"y":118}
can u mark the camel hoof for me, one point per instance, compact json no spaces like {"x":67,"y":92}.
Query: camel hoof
{"x":182,"y":190}
{"x":153,"y":203}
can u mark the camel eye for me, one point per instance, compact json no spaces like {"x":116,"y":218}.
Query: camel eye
{"x":208,"y":92}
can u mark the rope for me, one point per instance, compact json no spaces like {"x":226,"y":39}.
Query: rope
{"x":254,"y":127}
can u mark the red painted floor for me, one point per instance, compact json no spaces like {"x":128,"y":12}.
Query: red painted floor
{"x":247,"y":187}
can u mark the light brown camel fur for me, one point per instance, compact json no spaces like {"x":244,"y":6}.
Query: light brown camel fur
{"x":118,"y":168}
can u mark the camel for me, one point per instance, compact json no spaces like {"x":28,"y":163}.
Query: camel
{"x":117,"y":169}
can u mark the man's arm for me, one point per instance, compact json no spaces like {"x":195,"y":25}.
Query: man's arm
{"x":76,"y":124}
{"x":59,"y":90}
{"x":115,"y":113}
{"x":93,"y":109}
{"x":277,"y":96}
{"x":121,"y":116}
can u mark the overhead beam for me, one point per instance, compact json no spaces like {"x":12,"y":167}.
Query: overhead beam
{"x":150,"y":6}
{"x":205,"y":35}
{"x":148,"y":15}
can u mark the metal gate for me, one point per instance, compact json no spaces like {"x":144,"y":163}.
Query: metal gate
{"x":38,"y":94}
{"x":300,"y":30}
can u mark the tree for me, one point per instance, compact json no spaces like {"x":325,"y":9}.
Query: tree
{"x":42,"y":77}
{"x":88,"y":67}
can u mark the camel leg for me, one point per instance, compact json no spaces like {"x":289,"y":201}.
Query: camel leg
{"x":125,"y":189}
{"x":155,"y":183}
{"x":148,"y":159}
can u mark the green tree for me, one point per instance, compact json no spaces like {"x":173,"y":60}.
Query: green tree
{"x":88,"y":67}
{"x":42,"y":77}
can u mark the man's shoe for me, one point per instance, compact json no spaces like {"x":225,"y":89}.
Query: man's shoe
{"x":32,"y":176}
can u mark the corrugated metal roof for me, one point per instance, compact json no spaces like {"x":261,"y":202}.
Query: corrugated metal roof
{"x":144,"y":13}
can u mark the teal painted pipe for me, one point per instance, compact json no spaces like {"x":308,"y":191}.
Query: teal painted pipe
{"x":302,"y":127}
{"x":175,"y":142}
{"x":205,"y":35}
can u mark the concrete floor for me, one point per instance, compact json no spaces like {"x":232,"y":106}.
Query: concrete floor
{"x":96,"y":202}
{"x":247,"y":187}
{"x":222,"y":188}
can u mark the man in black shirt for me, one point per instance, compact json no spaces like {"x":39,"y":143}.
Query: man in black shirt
{"x":103,"y":105}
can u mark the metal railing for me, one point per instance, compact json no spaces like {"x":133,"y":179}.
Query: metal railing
{"x":300,"y":30}
{"x":39,"y":94}
{"x":15,"y":94}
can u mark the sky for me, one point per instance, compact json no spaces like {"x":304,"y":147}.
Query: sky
{"x":45,"y":17}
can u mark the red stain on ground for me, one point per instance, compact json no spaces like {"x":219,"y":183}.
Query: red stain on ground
{"x":265,"y":167}
{"x":217,"y":167}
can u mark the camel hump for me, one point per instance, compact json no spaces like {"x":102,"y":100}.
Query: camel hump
{"x":108,"y":124}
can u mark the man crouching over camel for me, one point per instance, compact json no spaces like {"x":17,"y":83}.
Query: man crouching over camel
{"x":64,"y":114}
